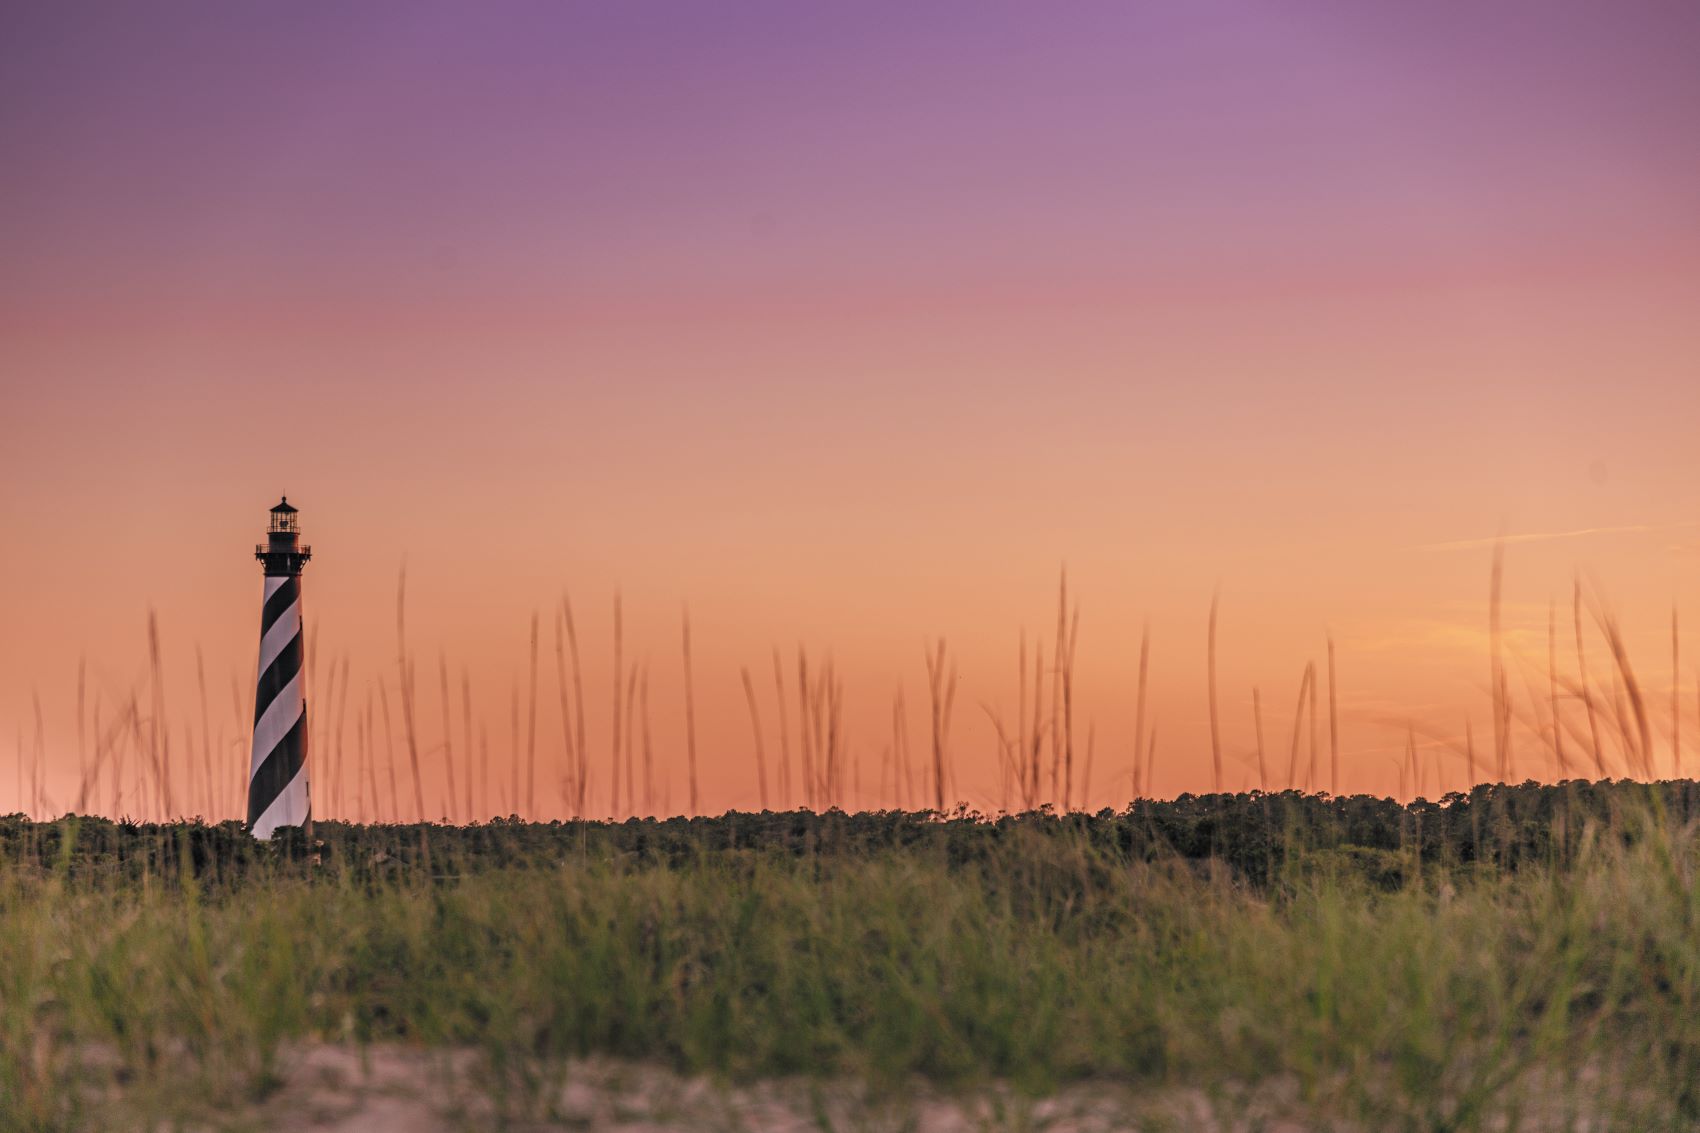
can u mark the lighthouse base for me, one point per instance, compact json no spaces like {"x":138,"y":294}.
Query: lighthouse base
{"x":289,"y":808}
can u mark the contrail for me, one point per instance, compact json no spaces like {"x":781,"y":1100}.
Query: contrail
{"x":1545,"y":536}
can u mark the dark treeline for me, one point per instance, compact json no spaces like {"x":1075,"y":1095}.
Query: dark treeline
{"x":1258,"y":839}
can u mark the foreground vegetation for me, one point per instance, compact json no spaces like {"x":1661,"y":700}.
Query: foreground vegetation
{"x":1527,"y":954}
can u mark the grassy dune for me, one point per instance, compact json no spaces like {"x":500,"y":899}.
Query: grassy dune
{"x":1533,"y":954}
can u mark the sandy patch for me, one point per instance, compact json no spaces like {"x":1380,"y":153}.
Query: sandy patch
{"x":329,"y":1089}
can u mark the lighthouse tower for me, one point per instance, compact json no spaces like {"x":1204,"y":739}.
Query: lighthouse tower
{"x":277,"y":773}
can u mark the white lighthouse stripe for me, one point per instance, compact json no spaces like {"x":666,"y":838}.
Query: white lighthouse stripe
{"x":286,"y":627}
{"x":273,"y":581}
{"x":290,"y":808}
{"x":279,"y":717}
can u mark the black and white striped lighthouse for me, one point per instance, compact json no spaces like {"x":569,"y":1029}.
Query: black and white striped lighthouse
{"x":277,"y":772}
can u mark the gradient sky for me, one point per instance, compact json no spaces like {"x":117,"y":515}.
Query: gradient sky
{"x":847,"y":325}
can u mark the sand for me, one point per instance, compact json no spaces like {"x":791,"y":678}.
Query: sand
{"x":328,"y":1089}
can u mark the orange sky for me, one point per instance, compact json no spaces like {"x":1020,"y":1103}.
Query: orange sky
{"x":848,"y":330}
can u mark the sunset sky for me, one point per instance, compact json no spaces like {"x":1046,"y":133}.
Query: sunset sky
{"x":848,"y":326}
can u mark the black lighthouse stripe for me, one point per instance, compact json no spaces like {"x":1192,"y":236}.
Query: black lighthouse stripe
{"x":277,"y":675}
{"x":278,"y":604}
{"x":282,"y":764}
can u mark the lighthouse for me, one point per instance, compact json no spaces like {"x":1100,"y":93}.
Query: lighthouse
{"x":277,"y":771}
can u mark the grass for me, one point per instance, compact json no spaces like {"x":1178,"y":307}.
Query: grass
{"x":1510,"y":957}
{"x":1515,"y":952}
{"x":138,"y":757}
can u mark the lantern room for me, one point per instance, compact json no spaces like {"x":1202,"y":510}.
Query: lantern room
{"x":282,"y":552}
{"x":283,"y":519}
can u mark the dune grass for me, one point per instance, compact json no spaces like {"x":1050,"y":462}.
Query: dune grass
{"x":1357,"y":968}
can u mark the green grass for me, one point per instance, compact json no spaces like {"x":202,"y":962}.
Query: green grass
{"x":156,"y":975}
